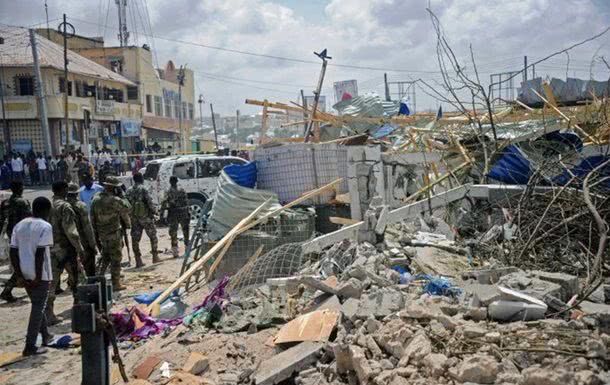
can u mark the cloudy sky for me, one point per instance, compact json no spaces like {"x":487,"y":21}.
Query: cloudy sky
{"x":377,"y":36}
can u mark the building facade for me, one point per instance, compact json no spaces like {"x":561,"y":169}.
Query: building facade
{"x":99,"y":112}
{"x":167,"y":102}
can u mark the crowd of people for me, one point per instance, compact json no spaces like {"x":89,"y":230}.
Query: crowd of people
{"x":80,"y":231}
{"x":38,"y":169}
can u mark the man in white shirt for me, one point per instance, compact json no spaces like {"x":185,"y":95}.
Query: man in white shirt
{"x":30,"y":254}
{"x":41,"y":162}
{"x":17,"y":167}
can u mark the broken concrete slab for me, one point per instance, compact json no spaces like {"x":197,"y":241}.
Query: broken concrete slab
{"x":313,"y":326}
{"x":507,"y":294}
{"x":482,"y":294}
{"x":434,"y":261}
{"x":599,"y":311}
{"x":352,"y":288}
{"x":380,"y":303}
{"x":489,"y":276}
{"x":327,"y":286}
{"x":196,"y":363}
{"x":325,"y":302}
{"x":350,"y":309}
{"x":569,"y":283}
{"x":479,"y":369}
{"x":281,"y":366}
{"x":360,"y":364}
{"x":531,"y":286}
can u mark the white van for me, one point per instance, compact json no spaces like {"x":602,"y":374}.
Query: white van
{"x":196,"y":174}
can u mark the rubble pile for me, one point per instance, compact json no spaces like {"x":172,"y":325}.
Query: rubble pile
{"x":395,"y":326}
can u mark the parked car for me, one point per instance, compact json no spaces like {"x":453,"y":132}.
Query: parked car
{"x":196,"y":174}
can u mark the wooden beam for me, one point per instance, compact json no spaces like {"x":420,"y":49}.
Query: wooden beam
{"x":342,"y":221}
{"x":153,"y":308}
{"x":548,"y":92}
{"x":583,"y":132}
{"x":264,"y":123}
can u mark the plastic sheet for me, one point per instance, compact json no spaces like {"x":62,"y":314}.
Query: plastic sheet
{"x":439,"y":286}
{"x":128,"y":329}
{"x":242,"y":174}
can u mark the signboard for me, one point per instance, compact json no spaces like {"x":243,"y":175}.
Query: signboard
{"x":130,"y":127}
{"x":104,"y":107}
{"x":21,"y":145}
{"x":321,"y":103}
{"x":94,"y":128}
{"x":346,"y":89}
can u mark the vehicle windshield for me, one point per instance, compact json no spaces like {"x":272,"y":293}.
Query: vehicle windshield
{"x":152,"y":171}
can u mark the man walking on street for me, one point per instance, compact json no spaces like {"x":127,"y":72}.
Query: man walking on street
{"x":107,"y":210}
{"x":67,"y":248}
{"x":17,"y":167}
{"x":85,"y":231}
{"x":12,"y":211}
{"x":88,"y":191}
{"x":142,"y":219}
{"x":31,"y":259}
{"x":177,"y":206}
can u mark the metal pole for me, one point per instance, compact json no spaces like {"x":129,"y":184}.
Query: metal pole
{"x":5,"y":130}
{"x":304,"y":102}
{"x":524,"y":69}
{"x":44,"y":122}
{"x":316,"y":100}
{"x":236,"y":127}
{"x":66,"y":120}
{"x":214,"y":126}
{"x":387,"y":87}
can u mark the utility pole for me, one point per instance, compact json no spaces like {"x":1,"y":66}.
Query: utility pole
{"x":65,"y":26}
{"x":201,"y":101}
{"x":42,"y":103}
{"x":387,"y":87}
{"x":180,"y":84}
{"x":304,"y":111}
{"x":524,"y":69}
{"x":237,"y":127}
{"x":214,"y":126}
{"x":46,"y":11}
{"x":322,"y":55}
{"x":123,"y":33}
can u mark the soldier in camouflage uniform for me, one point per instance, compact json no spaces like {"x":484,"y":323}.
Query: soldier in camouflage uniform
{"x":12,"y":211}
{"x":67,"y":248}
{"x":107,"y":211}
{"x":177,"y":206}
{"x":85,"y":231}
{"x":142,"y":219}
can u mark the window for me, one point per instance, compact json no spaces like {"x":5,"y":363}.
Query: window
{"x":168,"y":107}
{"x":190,"y":111}
{"x":62,"y":86}
{"x":116,"y":95}
{"x":25,"y":85}
{"x":158,"y":106}
{"x":185,"y":170}
{"x":152,"y":171}
{"x":211,"y":168}
{"x":79,"y":88}
{"x":149,"y":107}
{"x":176,"y":109}
{"x":132,"y":92}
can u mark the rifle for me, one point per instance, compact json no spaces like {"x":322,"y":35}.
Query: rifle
{"x":126,"y":239}
{"x":119,"y":191}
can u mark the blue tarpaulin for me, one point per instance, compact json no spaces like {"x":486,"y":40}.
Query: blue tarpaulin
{"x":513,"y":167}
{"x":384,"y":130}
{"x":242,"y":174}
{"x":404,"y":109}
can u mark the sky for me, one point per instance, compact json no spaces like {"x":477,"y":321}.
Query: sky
{"x":378,"y":36}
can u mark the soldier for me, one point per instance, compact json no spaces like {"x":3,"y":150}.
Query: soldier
{"x":105,"y":171}
{"x":142,"y":219}
{"x":13,"y":210}
{"x":67,"y":248}
{"x":83,"y":226}
{"x":176,"y":204}
{"x":107,"y":211}
{"x":82,"y":167}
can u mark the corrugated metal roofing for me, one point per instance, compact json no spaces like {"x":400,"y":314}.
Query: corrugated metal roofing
{"x":17,"y":52}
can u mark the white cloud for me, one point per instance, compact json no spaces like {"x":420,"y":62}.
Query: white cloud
{"x":374,"y":33}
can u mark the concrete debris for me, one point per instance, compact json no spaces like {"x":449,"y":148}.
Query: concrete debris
{"x":196,"y":363}
{"x":288,"y":362}
{"x":480,"y":369}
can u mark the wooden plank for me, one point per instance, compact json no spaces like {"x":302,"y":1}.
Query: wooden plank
{"x":583,"y":132}
{"x":342,"y":221}
{"x":153,"y":307}
{"x":548,"y":92}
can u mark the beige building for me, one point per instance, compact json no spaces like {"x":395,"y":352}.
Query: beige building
{"x":99,"y":110}
{"x":167,"y":108}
